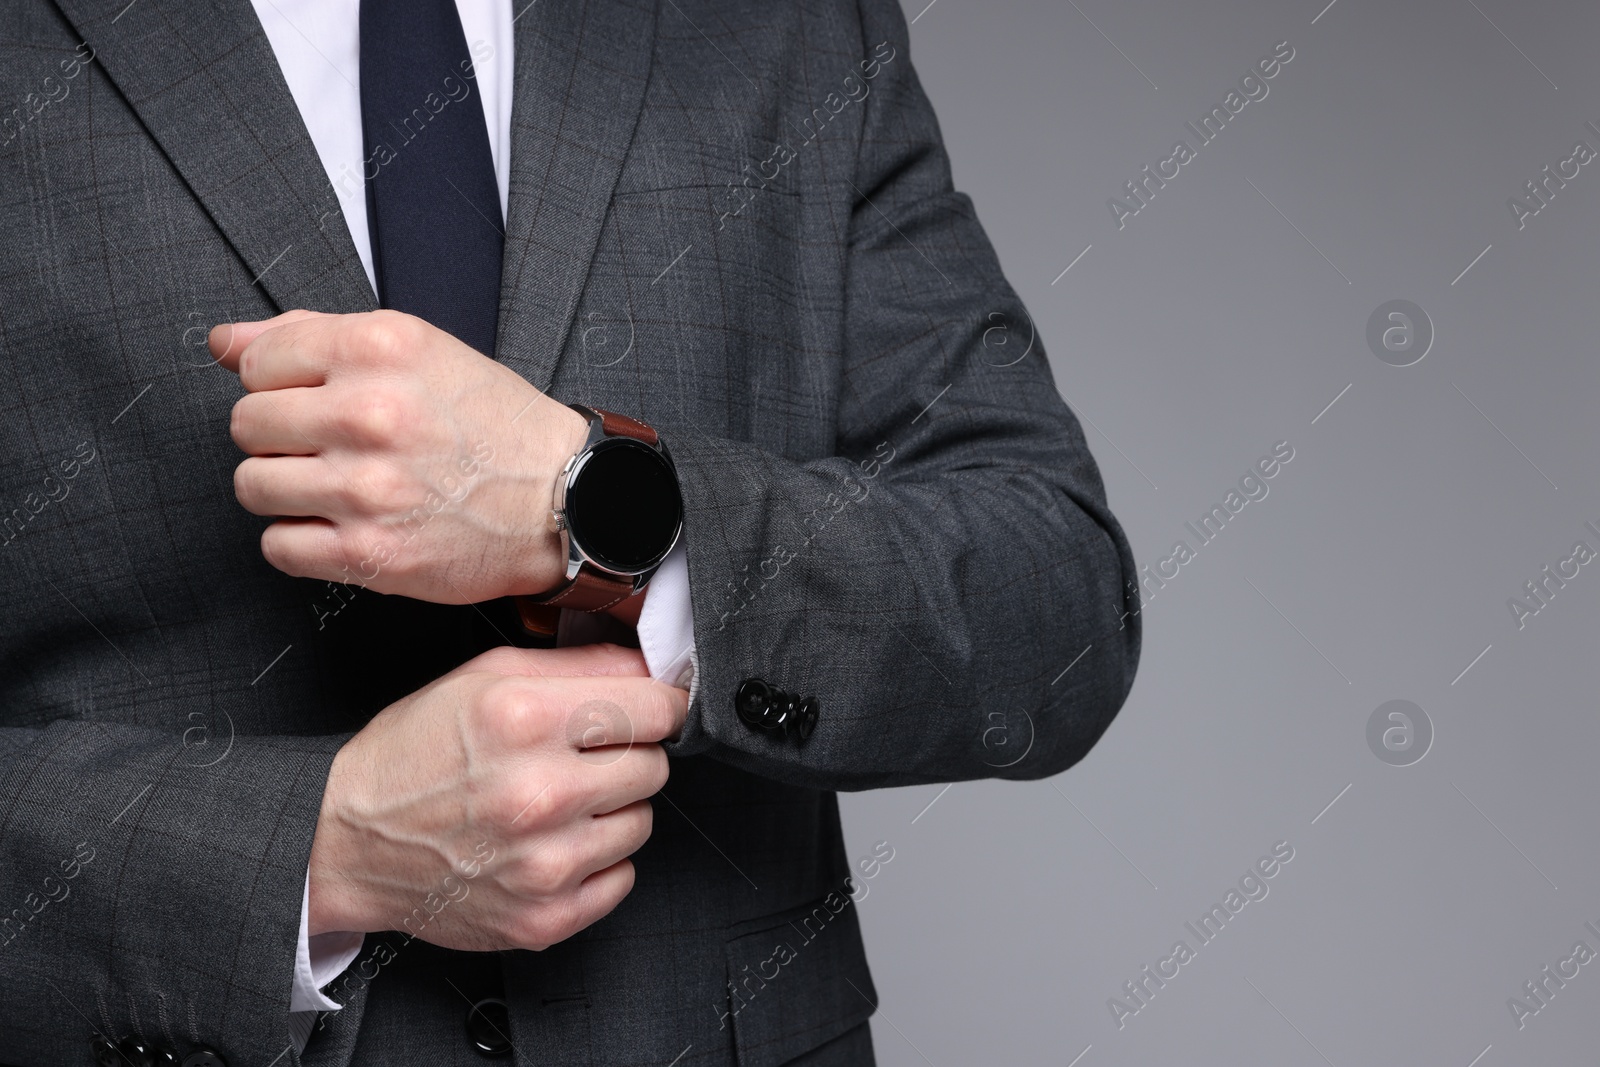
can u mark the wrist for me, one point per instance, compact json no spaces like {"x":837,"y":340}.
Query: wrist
{"x":332,"y":898}
{"x":560,"y":434}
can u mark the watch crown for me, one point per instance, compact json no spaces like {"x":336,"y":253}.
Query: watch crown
{"x":560,"y":517}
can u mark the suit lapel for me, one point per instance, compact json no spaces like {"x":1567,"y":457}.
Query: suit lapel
{"x":203,"y":79}
{"x":581,"y":70}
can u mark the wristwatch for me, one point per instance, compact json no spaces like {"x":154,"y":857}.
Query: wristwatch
{"x":619,"y":513}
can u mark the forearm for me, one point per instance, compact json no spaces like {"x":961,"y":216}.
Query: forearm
{"x":948,"y":583}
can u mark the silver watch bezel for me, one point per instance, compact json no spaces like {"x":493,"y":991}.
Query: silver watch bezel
{"x":571,"y":472}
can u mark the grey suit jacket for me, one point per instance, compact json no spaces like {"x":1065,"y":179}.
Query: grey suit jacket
{"x":733,"y":220}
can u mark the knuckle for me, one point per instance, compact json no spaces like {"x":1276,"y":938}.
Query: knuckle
{"x":344,"y":551}
{"x":563,"y":800}
{"x":565,"y":917}
{"x":526,"y":809}
{"x":377,"y":489}
{"x":236,"y":420}
{"x":504,"y":659}
{"x":625,"y":877}
{"x":644,"y":819}
{"x":604,"y":653}
{"x":390,"y":336}
{"x":598,"y":722}
{"x":244,"y":485}
{"x":544,"y":872}
{"x":522,"y":932}
{"x":500,"y":695}
{"x":667,"y":698}
{"x":510,"y":716}
{"x":658,"y":768}
{"x":656,"y":711}
{"x":500,"y":715}
{"x":519,"y":938}
{"x":376,"y":416}
{"x":540,"y":927}
{"x":249,"y":363}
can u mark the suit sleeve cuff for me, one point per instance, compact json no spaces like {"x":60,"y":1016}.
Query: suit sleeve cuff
{"x":666,"y":625}
{"x":319,"y":960}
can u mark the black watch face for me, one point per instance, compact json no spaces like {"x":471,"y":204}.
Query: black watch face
{"x":623,"y":506}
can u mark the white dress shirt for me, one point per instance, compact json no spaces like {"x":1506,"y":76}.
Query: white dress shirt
{"x":318,"y":47}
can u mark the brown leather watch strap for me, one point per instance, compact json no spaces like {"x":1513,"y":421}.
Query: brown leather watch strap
{"x":542,"y":620}
{"x":622,"y":426}
{"x":589,"y":591}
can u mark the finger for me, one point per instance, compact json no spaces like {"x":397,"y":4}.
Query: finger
{"x":596,"y":717}
{"x":296,"y":353}
{"x":228,"y":340}
{"x":582,"y":906}
{"x":633,"y":773}
{"x":602,"y":891}
{"x":288,"y":486}
{"x":577,"y":661}
{"x":309,"y":548}
{"x":606,"y":840}
{"x":308,"y":348}
{"x":637,"y":709}
{"x":283,"y":422}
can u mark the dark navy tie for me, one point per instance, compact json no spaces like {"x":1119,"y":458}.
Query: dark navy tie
{"x":433,"y":206}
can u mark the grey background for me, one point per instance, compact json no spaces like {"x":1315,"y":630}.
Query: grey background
{"x":1190,"y":342}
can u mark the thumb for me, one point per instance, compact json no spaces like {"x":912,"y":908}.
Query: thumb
{"x":227,"y":340}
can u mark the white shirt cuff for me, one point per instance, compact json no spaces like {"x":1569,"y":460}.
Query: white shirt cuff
{"x":319,"y":960}
{"x":666,"y":625}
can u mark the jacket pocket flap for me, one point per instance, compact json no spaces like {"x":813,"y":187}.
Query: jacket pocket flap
{"x":798,"y":981}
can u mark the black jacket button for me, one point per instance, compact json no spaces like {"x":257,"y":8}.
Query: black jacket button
{"x":489,"y":1027}
{"x":204,"y":1057}
{"x":105,"y":1053}
{"x":780,"y":711}
{"x":806,"y":719}
{"x":766,"y":707}
{"x":752,"y":701}
{"x":136,"y":1053}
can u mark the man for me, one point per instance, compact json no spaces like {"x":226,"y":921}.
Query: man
{"x":327,"y":759}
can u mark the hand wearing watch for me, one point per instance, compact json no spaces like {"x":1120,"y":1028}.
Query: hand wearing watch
{"x":619,"y":513}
